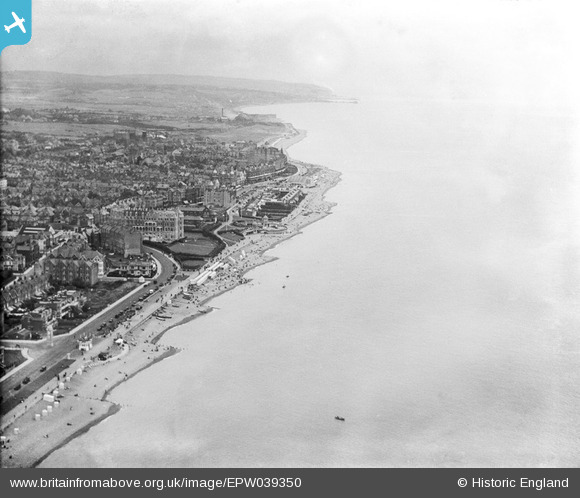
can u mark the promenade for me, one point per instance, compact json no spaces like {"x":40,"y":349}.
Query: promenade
{"x":63,"y":349}
{"x":84,"y":385}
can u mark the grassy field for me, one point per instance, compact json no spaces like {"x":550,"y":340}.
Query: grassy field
{"x":196,"y":244}
{"x":222,"y":131}
{"x":151,"y":95}
{"x":61,"y":129}
{"x":192,"y":264}
{"x":188,"y":104}
{"x":105,"y":293}
{"x":12,"y":358}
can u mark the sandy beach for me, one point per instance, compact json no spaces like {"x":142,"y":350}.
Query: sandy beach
{"x":82,"y":390}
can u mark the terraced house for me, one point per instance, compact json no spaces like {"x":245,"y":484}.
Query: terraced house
{"x":75,"y":264}
{"x":159,"y":225}
{"x":120,"y":239}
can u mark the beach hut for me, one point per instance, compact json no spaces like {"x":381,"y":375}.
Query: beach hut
{"x":48,"y":398}
{"x":49,"y":409}
{"x":44,"y":413}
{"x":37,"y":416}
{"x":202,"y":279}
{"x":85,"y":344}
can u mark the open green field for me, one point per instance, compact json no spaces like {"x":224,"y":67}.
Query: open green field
{"x":105,"y":293}
{"x":150,"y":95}
{"x":184,"y":104}
{"x":62,"y":129}
{"x":12,"y":358}
{"x":223,"y":132}
{"x":192,"y":264}
{"x":195,"y":244}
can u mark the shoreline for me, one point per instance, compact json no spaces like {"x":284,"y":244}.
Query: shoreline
{"x":167,"y":354}
{"x":114,"y":408}
{"x":89,"y":390}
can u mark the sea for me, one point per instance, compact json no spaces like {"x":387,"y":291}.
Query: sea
{"x":436,"y":309}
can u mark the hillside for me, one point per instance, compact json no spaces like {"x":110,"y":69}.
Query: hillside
{"x":170,"y":95}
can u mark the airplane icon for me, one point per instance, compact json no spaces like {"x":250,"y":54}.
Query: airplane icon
{"x":17,"y":22}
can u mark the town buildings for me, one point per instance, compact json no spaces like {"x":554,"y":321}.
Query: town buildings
{"x":158,"y":225}
{"x":121,"y":239}
{"x":195,"y":217}
{"x":74,"y":264}
{"x":40,"y":321}
{"x":23,"y":288}
{"x":221,"y":197}
{"x":64,"y":303}
{"x":137,"y":267}
{"x":114,"y":191}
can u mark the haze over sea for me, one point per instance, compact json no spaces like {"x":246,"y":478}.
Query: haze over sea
{"x":436,"y":310}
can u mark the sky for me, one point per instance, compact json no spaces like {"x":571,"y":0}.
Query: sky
{"x":509,"y":50}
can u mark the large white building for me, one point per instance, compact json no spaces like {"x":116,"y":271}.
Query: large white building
{"x":158,"y":225}
{"x":220,"y":197}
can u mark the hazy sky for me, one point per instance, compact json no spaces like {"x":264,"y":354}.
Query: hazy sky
{"x":515,"y":50}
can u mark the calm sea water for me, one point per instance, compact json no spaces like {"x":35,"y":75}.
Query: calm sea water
{"x":436,"y":310}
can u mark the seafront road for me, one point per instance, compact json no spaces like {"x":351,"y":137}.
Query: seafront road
{"x":54,"y":356}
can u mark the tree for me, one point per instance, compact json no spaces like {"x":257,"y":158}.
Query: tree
{"x":78,"y":282}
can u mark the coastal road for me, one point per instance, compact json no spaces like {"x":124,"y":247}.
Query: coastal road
{"x":55,"y":355}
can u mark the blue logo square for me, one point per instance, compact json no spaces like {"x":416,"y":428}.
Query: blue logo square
{"x":15,"y":22}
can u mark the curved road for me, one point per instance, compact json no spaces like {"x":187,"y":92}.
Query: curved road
{"x":55,"y":357}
